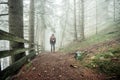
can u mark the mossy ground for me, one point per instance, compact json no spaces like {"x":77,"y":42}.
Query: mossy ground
{"x":103,"y":52}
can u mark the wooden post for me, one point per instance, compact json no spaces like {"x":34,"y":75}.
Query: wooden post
{"x":37,"y":47}
{"x":16,"y":25}
{"x":0,"y":65}
{"x":31,"y":23}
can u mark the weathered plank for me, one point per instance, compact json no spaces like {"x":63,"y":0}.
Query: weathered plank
{"x":7,"y":36}
{"x":3,"y":2}
{"x":3,"y":15}
{"x":15,"y":66}
{"x":10,"y":52}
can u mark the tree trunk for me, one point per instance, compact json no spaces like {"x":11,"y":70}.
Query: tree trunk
{"x":75,"y":26}
{"x":82,"y":22}
{"x":65,"y":25}
{"x":114,"y":10}
{"x":16,"y":25}
{"x":31,"y":23}
{"x":0,"y":65}
{"x":43,"y":26}
{"x":96,"y":19}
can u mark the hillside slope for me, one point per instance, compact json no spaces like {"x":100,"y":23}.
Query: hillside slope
{"x":102,"y":52}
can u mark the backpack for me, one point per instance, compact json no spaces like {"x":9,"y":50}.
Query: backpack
{"x":52,"y":39}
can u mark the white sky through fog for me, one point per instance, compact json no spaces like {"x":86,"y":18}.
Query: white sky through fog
{"x":57,"y":12}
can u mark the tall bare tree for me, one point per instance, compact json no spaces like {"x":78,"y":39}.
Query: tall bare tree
{"x":96,"y":18}
{"x":65,"y":25}
{"x":31,"y":22}
{"x":114,"y":2}
{"x":75,"y":26}
{"x":43,"y":26}
{"x":16,"y":25}
{"x":82,"y":21}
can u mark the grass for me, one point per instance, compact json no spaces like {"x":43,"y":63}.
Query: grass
{"x":28,"y":65}
{"x":107,"y":61}
{"x":105,"y":35}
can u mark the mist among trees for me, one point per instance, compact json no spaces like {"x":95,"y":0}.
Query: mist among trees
{"x":73,"y":22}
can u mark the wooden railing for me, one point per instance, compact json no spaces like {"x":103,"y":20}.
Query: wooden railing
{"x":10,"y":70}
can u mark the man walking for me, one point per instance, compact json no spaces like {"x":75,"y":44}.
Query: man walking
{"x":52,"y":42}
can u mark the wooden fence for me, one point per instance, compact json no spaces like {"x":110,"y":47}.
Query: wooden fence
{"x":10,"y":70}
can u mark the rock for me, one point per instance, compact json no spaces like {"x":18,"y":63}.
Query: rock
{"x":45,"y":71}
{"x":23,"y":72}
{"x":78,"y":54}
{"x":26,"y":78}
{"x":39,"y":74}
{"x":53,"y":69}
{"x":93,"y":57}
{"x":60,"y":76}
{"x":33,"y":68}
{"x":73,"y":66}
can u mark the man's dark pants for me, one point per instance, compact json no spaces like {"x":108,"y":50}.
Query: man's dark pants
{"x":52,"y":47}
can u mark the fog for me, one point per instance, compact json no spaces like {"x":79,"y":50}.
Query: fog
{"x":57,"y":17}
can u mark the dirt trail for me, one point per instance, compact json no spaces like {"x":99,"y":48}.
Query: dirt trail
{"x":56,"y":66}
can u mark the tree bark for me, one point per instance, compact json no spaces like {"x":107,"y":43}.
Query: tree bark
{"x":16,"y":25}
{"x":0,"y":65}
{"x":82,"y":18}
{"x":43,"y":26}
{"x":96,"y":18}
{"x":31,"y":23}
{"x":65,"y":25}
{"x":114,"y":10}
{"x":75,"y":26}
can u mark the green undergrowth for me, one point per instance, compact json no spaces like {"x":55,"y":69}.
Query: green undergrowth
{"x":107,"y":34}
{"x":105,"y":59}
{"x":28,"y":65}
{"x":80,"y":55}
{"x":107,"y":62}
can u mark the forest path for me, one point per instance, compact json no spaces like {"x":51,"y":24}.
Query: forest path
{"x":56,"y":66}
